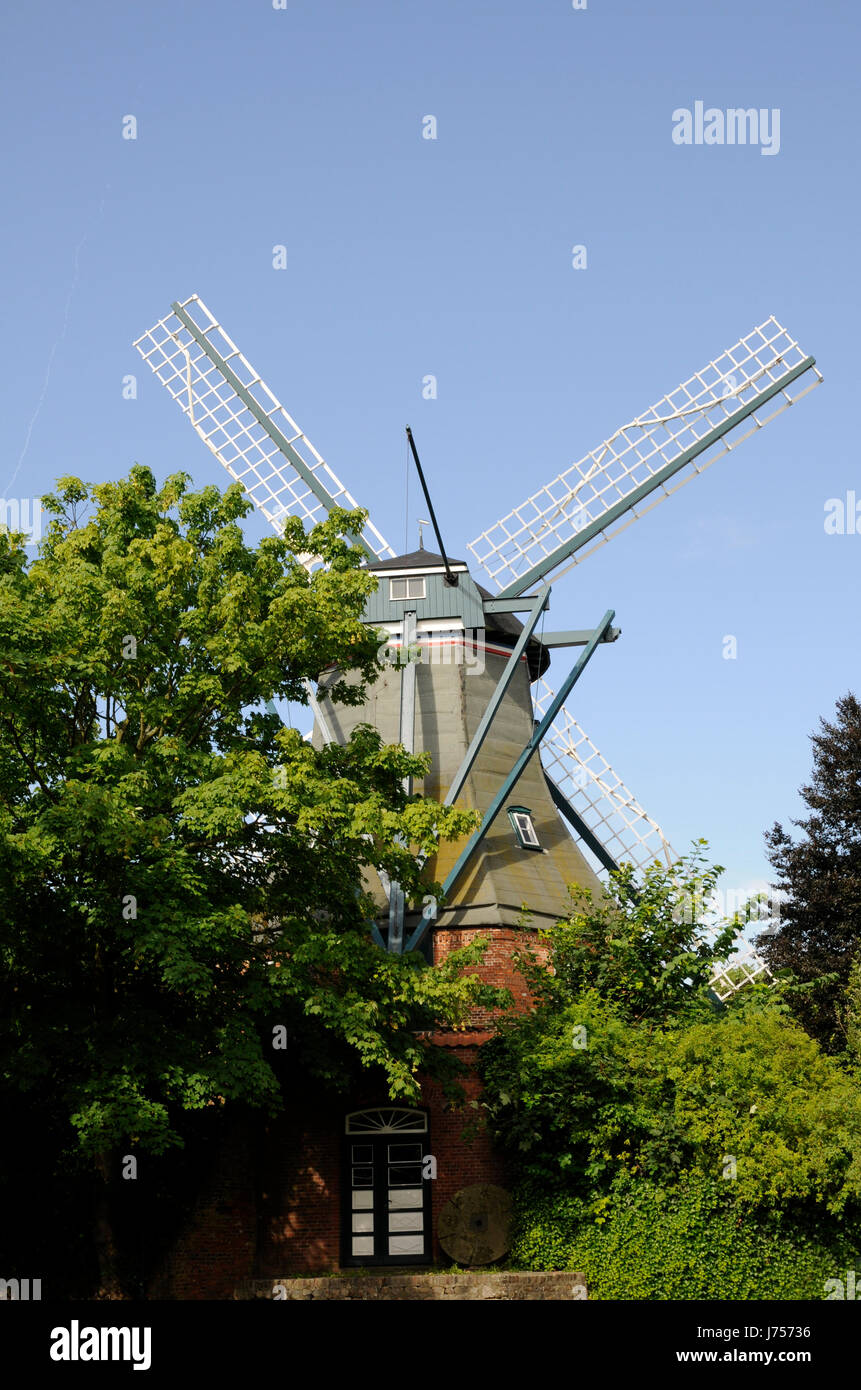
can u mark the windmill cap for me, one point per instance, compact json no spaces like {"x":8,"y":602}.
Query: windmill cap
{"x":504,"y":627}
{"x":416,"y":560}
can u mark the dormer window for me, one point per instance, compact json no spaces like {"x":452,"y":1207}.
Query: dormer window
{"x":521,"y":820}
{"x":400,"y":589}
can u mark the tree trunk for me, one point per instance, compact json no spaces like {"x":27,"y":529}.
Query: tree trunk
{"x":110,"y":1285}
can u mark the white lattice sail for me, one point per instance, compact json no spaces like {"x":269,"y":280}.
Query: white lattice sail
{"x":596,"y":792}
{"x":654,"y":455}
{"x":242,"y":423}
{"x":743,"y":967}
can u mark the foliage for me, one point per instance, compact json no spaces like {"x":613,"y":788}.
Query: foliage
{"x":669,"y":1146}
{"x":820,"y":876}
{"x":641,"y":947}
{"x":755,"y":1086}
{"x":683,"y":1242}
{"x":748,"y":1086}
{"x":181,"y":873}
{"x":851,"y":1013}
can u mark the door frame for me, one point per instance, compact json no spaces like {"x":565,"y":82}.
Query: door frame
{"x":379,"y":1138}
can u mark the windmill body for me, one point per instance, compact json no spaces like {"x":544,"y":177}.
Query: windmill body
{"x":465,"y":681}
{"x":460,"y":653}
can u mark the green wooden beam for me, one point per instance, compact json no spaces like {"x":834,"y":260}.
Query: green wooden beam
{"x":539,"y":604}
{"x":521,"y":604}
{"x":594,"y":529}
{"x":578,"y":638}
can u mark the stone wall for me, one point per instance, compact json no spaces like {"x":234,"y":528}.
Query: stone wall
{"x":365,"y":1287}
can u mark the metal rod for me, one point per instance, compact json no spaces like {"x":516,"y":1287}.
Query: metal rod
{"x":450,"y":577}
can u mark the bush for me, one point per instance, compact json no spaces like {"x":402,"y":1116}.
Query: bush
{"x":691,"y":1241}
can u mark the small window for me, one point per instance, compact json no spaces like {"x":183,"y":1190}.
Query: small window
{"x":406,"y":588}
{"x":521,"y":819}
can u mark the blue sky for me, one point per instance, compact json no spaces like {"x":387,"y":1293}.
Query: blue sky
{"x":406,"y":257}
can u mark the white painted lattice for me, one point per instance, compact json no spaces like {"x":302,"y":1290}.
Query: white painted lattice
{"x":596,"y":792}
{"x":589,"y":491}
{"x":739,"y":970}
{"x":270,"y":470}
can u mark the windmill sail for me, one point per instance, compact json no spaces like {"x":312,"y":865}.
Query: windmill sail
{"x":248,"y":430}
{"x":596,"y":792}
{"x":647,"y":459}
{"x":243,"y":424}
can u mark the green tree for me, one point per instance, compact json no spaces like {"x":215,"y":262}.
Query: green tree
{"x":820,"y":877}
{"x":578,"y":1086}
{"x":751,"y":1085}
{"x":643,"y":946}
{"x":183,"y":875}
{"x":851,"y":1013}
{"x":629,"y":1079}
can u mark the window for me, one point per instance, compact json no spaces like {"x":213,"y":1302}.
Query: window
{"x":387,"y":1122}
{"x":406,"y":588}
{"x":521,"y":819}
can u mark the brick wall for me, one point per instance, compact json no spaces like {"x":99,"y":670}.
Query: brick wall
{"x":272,"y":1207}
{"x":498,"y":967}
{"x":299,"y":1209}
{"x":217,"y":1248}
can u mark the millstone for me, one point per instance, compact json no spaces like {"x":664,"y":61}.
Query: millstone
{"x":474,"y":1226}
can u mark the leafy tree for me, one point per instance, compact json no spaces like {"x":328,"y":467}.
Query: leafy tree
{"x":183,"y":875}
{"x":851,"y":1013}
{"x":628,"y":1080}
{"x":751,"y":1085}
{"x":645,"y":947}
{"x":820,"y":876}
{"x":576,"y":1085}
{"x":586,"y":1095}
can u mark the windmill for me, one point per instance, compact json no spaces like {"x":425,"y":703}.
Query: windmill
{"x":426,"y":602}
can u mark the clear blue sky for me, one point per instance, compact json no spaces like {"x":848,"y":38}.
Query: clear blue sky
{"x":452,"y":257}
